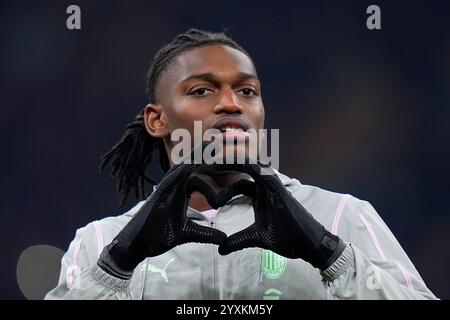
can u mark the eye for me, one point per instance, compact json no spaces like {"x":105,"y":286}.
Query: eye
{"x":200,"y":92}
{"x":248,"y":92}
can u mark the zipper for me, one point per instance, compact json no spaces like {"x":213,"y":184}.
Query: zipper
{"x":212,"y":224}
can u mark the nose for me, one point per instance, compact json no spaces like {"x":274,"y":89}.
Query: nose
{"x":228,"y":103}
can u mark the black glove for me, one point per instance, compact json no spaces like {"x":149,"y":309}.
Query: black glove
{"x":281,"y":224}
{"x":161,"y":222}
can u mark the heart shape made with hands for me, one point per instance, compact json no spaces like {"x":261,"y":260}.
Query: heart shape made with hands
{"x":221,"y":198}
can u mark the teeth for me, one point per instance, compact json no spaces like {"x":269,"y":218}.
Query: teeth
{"x":232,"y":130}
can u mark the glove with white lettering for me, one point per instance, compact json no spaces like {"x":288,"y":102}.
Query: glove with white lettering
{"x":281,"y":224}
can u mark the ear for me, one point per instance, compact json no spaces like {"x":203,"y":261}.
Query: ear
{"x":154,"y":119}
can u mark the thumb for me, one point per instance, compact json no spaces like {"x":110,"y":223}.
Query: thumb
{"x":246,"y":238}
{"x":196,"y":184}
{"x":245,"y":187}
{"x":193,"y":232}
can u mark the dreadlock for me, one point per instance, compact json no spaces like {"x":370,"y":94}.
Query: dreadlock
{"x":130,"y":157}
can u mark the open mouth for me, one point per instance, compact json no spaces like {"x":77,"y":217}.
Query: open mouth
{"x":231,"y":124}
{"x":233,"y":129}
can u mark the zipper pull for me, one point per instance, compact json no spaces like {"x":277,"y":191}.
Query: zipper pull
{"x":212,"y":223}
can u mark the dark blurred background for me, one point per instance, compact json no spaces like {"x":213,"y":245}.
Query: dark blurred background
{"x":361,"y":112}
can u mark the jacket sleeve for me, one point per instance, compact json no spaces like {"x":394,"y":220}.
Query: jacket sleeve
{"x":378,"y":267}
{"x":82,"y":279}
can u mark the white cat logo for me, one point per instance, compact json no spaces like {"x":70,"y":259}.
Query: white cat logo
{"x":161,"y":271}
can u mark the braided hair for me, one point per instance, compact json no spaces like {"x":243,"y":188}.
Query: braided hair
{"x":131,"y":155}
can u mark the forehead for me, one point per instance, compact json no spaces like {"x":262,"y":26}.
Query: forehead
{"x":219,"y":59}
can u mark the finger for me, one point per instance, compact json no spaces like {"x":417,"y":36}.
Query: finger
{"x":217,"y":200}
{"x":260,"y":172}
{"x":246,"y":238}
{"x":181,"y":171}
{"x":245,"y":187}
{"x":193,"y":232}
{"x":197,"y":184}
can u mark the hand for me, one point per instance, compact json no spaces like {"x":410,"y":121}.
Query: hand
{"x":161,"y":223}
{"x":281,"y":224}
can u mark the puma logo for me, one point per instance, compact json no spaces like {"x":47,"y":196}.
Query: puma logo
{"x":161,"y":271}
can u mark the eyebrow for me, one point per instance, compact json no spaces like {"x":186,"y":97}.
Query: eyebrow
{"x":210,"y":77}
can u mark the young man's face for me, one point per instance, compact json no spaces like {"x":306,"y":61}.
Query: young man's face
{"x":216,"y":85}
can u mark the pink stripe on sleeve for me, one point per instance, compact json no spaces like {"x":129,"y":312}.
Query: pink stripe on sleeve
{"x":75,"y":253}
{"x":375,"y":241}
{"x":338,"y":214}
{"x":99,"y":235}
{"x":406,"y":275}
{"x":373,"y":237}
{"x":73,"y":268}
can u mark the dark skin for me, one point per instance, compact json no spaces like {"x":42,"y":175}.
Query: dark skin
{"x":205,"y":84}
